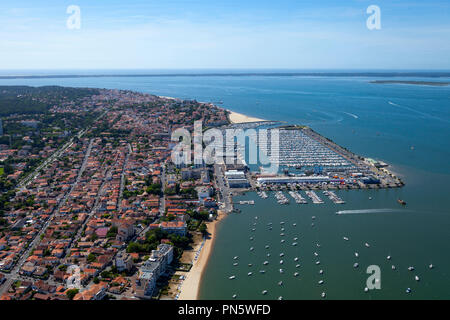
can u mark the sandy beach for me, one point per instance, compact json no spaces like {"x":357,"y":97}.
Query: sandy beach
{"x":241,"y":118}
{"x":191,"y":285}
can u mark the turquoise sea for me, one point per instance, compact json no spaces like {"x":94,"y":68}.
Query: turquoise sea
{"x":407,"y":126}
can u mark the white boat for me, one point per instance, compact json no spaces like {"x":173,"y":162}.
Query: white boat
{"x":317,"y":262}
{"x":345,"y":238}
{"x":295,"y":239}
{"x":389,"y":257}
{"x":251,"y":238}
{"x":431,"y":266}
{"x":294,"y":224}
{"x":235,"y":264}
{"x":297,"y":266}
{"x":265,"y":263}
{"x":408,"y":290}
{"x":262,"y":271}
{"x":264,"y":292}
{"x":370,"y":198}
{"x":410,"y":268}
{"x":235,"y":258}
{"x":367,"y":245}
{"x":320,"y":281}
{"x":366,"y":289}
{"x":282,"y":254}
{"x":296,"y":259}
{"x":323,"y":295}
{"x":234,"y":296}
{"x":251,"y":249}
{"x":281,"y":271}
{"x":320,"y":271}
{"x":296,"y":274}
{"x":417,"y":278}
{"x":281,"y":261}
{"x":268,"y":255}
{"x":356,"y":254}
{"x":282,"y":241}
{"x":280,"y":283}
{"x":280,"y":298}
{"x":312,"y":224}
{"x":393,"y":267}
{"x":282,"y":222}
{"x":232,"y":277}
{"x":316,"y":254}
{"x":294,"y":244}
{"x":250,"y":273}
{"x":355,"y":265}
{"x":281,"y":234}
{"x":313,"y":217}
{"x":267,"y":247}
{"x":317,"y":245}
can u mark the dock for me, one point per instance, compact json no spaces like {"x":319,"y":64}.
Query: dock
{"x":314,"y":197}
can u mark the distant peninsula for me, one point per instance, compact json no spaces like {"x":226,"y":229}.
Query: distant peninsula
{"x":419,"y":83}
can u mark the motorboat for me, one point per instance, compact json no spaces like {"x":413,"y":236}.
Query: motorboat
{"x":232,"y":277}
{"x":355,"y":265}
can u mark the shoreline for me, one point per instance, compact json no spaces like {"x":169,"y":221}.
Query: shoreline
{"x":235,"y":117}
{"x":190,"y":287}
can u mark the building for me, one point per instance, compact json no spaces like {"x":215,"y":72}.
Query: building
{"x":296,"y":179}
{"x":152,"y":269}
{"x":174,"y":227}
{"x":236,"y":179}
{"x":123,"y":262}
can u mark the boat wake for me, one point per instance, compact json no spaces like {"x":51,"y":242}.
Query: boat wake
{"x":361,"y":211}
{"x":351,"y":115}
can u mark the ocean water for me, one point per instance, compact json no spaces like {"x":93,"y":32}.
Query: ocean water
{"x":407,"y":126}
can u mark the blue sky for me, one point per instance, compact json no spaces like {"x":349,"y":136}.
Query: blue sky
{"x":172,"y":34}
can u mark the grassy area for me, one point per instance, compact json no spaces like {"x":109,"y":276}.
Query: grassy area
{"x":2,"y":171}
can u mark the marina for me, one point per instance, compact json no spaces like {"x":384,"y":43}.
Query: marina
{"x":298,"y":197}
{"x":281,"y":198}
{"x":333,"y":197}
{"x":314,"y":197}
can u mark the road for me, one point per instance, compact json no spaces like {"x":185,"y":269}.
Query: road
{"x":15,"y":271}
{"x":223,"y":189}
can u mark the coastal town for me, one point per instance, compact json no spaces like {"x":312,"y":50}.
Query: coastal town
{"x":103,"y":214}
{"x":93,"y":208}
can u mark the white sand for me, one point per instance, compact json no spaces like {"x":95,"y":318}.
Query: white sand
{"x":191,"y":285}
{"x":241,"y":118}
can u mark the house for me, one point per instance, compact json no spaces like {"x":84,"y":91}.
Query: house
{"x":123,"y":262}
{"x":95,"y":292}
{"x":175,"y":227}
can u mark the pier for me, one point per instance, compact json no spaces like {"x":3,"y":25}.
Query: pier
{"x":314,"y":197}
